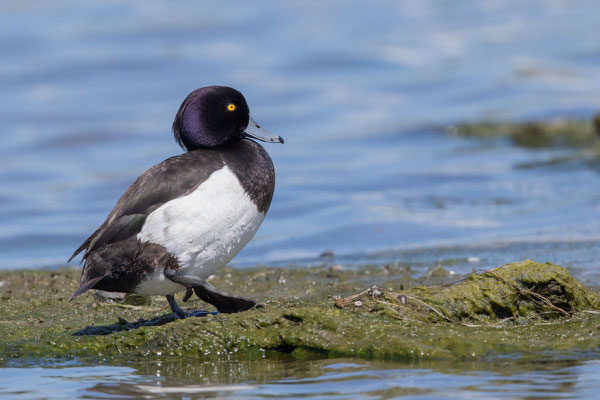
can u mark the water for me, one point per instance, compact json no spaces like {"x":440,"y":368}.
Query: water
{"x":320,"y":379}
{"x":360,"y":91}
{"x":90,"y":91}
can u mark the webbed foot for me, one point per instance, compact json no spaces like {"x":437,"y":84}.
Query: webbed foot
{"x":224,"y":302}
{"x":180,"y":313}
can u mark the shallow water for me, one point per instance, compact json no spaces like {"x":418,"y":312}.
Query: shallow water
{"x":321,"y":379}
{"x":360,"y":92}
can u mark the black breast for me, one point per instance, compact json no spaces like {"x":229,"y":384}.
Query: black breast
{"x":254,"y":168}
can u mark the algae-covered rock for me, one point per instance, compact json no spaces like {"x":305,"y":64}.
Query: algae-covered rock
{"x":520,"y":292}
{"x":535,"y":134}
{"x":503,"y":311}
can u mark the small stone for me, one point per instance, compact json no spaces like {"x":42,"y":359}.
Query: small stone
{"x":338,"y":302}
{"x":358,"y":303}
{"x":109,"y":297}
{"x":326,"y":254}
{"x":597,"y":123}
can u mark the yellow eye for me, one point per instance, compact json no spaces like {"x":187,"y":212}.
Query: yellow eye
{"x":231,"y":107}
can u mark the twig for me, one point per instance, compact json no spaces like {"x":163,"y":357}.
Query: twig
{"x":431,"y":307}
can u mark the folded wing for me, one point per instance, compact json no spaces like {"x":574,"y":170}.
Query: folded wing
{"x":174,"y":177}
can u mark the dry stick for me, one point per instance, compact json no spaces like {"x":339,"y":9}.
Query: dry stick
{"x":346,"y":301}
{"x":397,"y":314}
{"x":545,"y":300}
{"x":351,"y":299}
{"x":445,"y":317}
{"x":431,"y":307}
{"x":403,"y":315}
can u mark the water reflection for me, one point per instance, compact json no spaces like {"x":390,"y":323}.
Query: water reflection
{"x":283,"y":377}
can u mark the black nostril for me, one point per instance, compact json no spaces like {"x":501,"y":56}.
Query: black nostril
{"x":257,"y":125}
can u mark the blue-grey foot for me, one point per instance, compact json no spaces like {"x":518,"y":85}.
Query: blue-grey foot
{"x":180,"y":313}
{"x":177,"y":311}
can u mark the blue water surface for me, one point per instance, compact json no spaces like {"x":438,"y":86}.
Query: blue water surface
{"x":357,"y":90}
{"x":319,"y":379}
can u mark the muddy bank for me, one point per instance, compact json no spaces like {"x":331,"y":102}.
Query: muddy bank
{"x":524,"y":309}
{"x":557,"y":132}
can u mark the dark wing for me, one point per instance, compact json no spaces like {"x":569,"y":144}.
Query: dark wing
{"x":172,"y":178}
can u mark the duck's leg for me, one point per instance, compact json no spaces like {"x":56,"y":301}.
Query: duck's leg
{"x":188,"y":293}
{"x":224,"y":302}
{"x":177,"y":311}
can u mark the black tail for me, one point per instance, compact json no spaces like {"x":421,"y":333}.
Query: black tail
{"x":84,"y":287}
{"x":121,"y":266}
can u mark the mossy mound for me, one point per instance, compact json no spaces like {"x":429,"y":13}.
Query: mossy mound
{"x":523,"y":309}
{"x":536,"y":134}
{"x":516,"y":292}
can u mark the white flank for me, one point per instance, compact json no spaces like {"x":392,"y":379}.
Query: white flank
{"x":204,"y":229}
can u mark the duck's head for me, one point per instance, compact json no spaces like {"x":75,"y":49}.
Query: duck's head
{"x":216,"y":115}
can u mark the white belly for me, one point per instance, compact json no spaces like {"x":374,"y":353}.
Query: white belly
{"x":204,"y":230}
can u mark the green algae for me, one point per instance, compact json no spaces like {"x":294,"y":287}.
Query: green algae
{"x":483,"y":315}
{"x":519,"y":292}
{"x":536,"y":134}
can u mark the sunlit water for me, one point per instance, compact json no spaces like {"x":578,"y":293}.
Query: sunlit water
{"x":320,"y":379}
{"x":361,"y":91}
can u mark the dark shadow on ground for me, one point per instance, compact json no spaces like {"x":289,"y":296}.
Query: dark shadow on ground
{"x":124,"y":325}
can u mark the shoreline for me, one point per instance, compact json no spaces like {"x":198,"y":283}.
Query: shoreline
{"x":312,"y":312}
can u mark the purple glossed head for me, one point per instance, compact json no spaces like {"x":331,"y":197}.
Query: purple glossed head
{"x":213,"y":116}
